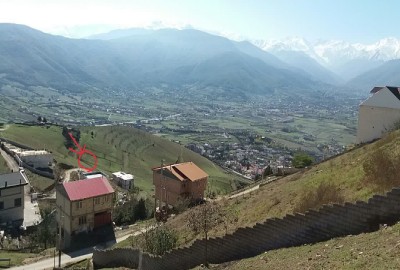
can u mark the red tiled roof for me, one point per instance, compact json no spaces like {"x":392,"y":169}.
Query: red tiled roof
{"x":82,"y":189}
{"x":187,"y":170}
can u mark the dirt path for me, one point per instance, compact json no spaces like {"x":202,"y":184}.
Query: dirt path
{"x":75,"y":255}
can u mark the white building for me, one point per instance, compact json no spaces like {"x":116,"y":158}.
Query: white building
{"x":12,"y":196}
{"x":378,"y":114}
{"x":124,"y":180}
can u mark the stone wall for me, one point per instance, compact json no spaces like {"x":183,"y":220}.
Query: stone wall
{"x":292,"y":230}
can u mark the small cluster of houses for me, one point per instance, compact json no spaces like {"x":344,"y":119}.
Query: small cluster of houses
{"x":87,"y":204}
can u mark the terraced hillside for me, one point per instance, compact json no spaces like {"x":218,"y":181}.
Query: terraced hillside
{"x":120,"y":148}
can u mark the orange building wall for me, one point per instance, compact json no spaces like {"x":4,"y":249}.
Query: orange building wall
{"x":175,"y":189}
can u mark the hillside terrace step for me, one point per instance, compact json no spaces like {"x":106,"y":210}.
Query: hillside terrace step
{"x":355,"y":210}
{"x":294,"y":224}
{"x":298,"y":219}
{"x":331,"y":224}
{"x":312,"y":236}
{"x":395,"y":190}
{"x":394,"y":199}
{"x":343,"y":222}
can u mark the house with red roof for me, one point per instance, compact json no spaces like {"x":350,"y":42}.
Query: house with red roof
{"x":83,"y":206}
{"x":179,"y":181}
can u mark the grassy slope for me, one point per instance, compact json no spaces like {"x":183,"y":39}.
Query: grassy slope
{"x":119,"y":148}
{"x":3,"y":166}
{"x":280,"y":198}
{"x":377,"y":250}
{"x":16,"y":258}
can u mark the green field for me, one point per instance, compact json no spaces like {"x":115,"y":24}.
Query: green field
{"x":120,"y":148}
{"x":16,"y":258}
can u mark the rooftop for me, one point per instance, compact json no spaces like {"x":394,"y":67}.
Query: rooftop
{"x":87,"y":188}
{"x":394,"y":89}
{"x":123,"y":176}
{"x":184,"y":171}
{"x":12,"y":179}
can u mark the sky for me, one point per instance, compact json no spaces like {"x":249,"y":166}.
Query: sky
{"x":364,"y":21}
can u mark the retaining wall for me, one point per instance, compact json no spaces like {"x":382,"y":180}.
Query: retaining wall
{"x":20,"y":162}
{"x":292,"y":230}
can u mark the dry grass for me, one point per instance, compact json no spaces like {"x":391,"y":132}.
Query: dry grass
{"x":325,"y":193}
{"x":381,"y":170}
{"x":345,"y":173}
{"x":376,"y":250}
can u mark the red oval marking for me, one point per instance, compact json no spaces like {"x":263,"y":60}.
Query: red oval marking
{"x":81,"y":152}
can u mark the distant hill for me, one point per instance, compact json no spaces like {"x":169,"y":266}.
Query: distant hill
{"x":385,"y":74}
{"x":120,"y":148}
{"x":138,"y":58}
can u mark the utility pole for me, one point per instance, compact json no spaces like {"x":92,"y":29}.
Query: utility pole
{"x":59,"y":238}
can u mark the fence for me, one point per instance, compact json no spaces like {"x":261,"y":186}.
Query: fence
{"x":292,"y":230}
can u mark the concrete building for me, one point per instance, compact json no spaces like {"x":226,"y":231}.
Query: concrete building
{"x":83,"y":206}
{"x":12,"y":197}
{"x":91,"y":175}
{"x":179,"y":181}
{"x":40,"y":160}
{"x":123,"y":180}
{"x":378,"y":114}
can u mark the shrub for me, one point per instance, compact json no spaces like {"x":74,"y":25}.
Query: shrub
{"x":325,"y":193}
{"x":160,"y":240}
{"x":131,"y":211}
{"x":381,"y":170}
{"x":301,"y":160}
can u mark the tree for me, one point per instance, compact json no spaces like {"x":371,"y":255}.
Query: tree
{"x":39,"y":119}
{"x":44,"y":120}
{"x":45,"y":232}
{"x":301,"y":160}
{"x":160,"y":240}
{"x":267,"y":171}
{"x":140,"y":210}
{"x":203,"y":218}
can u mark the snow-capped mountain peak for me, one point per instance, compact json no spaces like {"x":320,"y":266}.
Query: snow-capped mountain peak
{"x":335,"y":52}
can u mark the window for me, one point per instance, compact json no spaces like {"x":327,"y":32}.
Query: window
{"x":79,"y":205}
{"x":96,"y":200}
{"x":17,"y":202}
{"x":1,"y":205}
{"x":106,"y":198}
{"x":82,"y":220}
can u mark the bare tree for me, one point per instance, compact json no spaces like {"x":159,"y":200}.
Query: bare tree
{"x":203,"y":218}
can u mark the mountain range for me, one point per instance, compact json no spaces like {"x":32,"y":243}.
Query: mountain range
{"x":189,"y":58}
{"x":348,"y":61}
{"x":139,"y":58}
